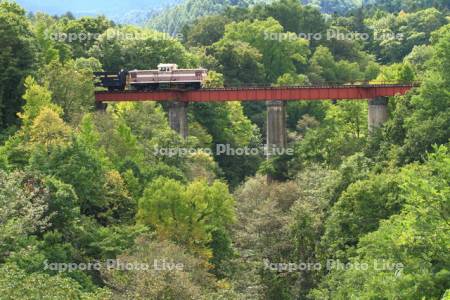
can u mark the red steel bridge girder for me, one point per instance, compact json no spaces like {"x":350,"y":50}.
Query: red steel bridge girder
{"x":260,"y":94}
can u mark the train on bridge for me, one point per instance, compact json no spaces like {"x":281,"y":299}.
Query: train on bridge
{"x":166,"y":76}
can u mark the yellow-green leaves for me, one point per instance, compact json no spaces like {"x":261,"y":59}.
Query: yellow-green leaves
{"x":186,"y":214}
{"x":48,"y":129}
{"x":36,"y":98}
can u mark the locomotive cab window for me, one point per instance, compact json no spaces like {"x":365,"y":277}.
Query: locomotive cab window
{"x":167,"y":67}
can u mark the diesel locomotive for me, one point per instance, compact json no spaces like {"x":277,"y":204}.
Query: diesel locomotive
{"x":167,"y":76}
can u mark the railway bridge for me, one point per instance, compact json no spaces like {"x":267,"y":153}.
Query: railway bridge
{"x":275,"y":98}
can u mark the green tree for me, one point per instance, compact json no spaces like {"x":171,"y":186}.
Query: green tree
{"x":74,"y":164}
{"x":205,"y":31}
{"x":174,"y":19}
{"x":422,"y":121}
{"x":324,"y":68}
{"x":63,"y":205}
{"x":409,"y":5}
{"x":50,"y":48}
{"x":36,"y":98}
{"x":49,"y":130}
{"x":24,"y":209}
{"x":240,"y":63}
{"x":335,"y":6}
{"x":414,"y":243}
{"x":278,"y":56}
{"x":72,"y":88}
{"x":134,"y":48}
{"x":17,"y":59}
{"x":186,"y":214}
{"x":413,"y":29}
{"x":342,"y":133}
{"x":317,"y":188}
{"x":293,"y":16}
{"x":85,"y":30}
{"x":190,"y":281}
{"x":17,"y":284}
{"x":359,"y":211}
{"x":228,"y":125}
{"x":121,"y":207}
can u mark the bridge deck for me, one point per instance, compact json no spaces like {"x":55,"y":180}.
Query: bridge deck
{"x":335,"y":92}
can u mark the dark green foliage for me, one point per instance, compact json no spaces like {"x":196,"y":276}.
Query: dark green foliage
{"x":408,"y":5}
{"x":224,"y":122}
{"x":414,"y":241}
{"x":17,"y":60}
{"x":240,"y":63}
{"x":293,"y":16}
{"x":18,"y":284}
{"x":222,"y":253}
{"x":205,"y":31}
{"x":334,"y":6}
{"x":74,"y":165}
{"x":175,"y":18}
{"x":86,"y":26}
{"x":413,"y":29}
{"x":145,"y":51}
{"x":63,"y":206}
{"x":421,"y":119}
{"x":358,"y":211}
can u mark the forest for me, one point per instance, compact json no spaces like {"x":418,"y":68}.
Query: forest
{"x":89,"y":209}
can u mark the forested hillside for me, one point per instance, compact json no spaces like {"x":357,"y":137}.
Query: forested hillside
{"x":173,"y":19}
{"x":176,"y":17}
{"x":90,"y":210}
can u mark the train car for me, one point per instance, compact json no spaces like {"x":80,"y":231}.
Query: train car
{"x":167,"y":76}
{"x":112,"y":81}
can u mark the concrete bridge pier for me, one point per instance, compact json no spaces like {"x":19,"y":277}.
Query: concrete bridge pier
{"x":378,"y":112}
{"x":276,"y":124}
{"x":276,"y":129}
{"x":178,"y":117}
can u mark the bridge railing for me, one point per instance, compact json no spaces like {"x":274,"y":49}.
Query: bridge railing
{"x":321,"y":85}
